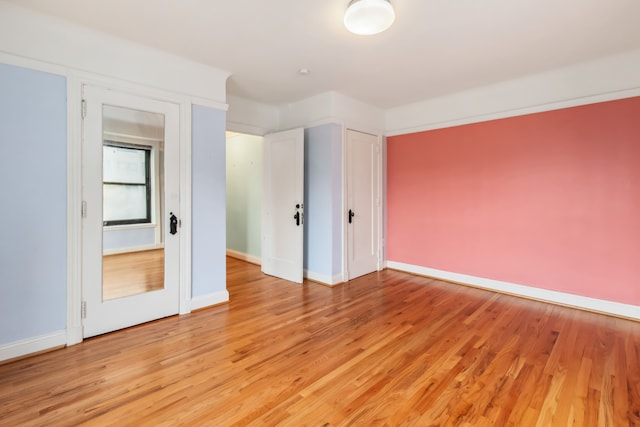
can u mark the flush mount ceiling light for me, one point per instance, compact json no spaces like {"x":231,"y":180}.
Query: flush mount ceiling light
{"x":367,"y":17}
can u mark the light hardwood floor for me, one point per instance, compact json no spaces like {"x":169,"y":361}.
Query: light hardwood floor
{"x":385,"y":349}
{"x":132,"y":273}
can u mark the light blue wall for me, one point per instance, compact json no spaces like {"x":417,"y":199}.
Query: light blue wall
{"x":208,"y":201}
{"x":244,"y":194}
{"x":33,"y":200}
{"x":128,"y":238}
{"x":323,"y":199}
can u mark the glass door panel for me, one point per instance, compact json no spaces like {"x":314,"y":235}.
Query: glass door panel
{"x":132,"y":194}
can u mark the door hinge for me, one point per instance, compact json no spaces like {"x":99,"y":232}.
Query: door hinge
{"x":83,"y":108}
{"x":83,"y":310}
{"x":83,"y":209}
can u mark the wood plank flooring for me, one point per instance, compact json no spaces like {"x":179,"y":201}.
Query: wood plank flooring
{"x":132,"y":273}
{"x":385,"y":349}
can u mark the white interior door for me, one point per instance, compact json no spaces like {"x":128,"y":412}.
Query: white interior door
{"x":282,"y":206}
{"x":363,"y":203}
{"x":130,"y":190}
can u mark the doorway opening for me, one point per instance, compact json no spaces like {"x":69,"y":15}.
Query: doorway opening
{"x":244,"y":196}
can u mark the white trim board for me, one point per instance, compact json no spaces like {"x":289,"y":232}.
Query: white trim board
{"x":244,"y":257}
{"x":32,"y":64}
{"x":248,"y":129}
{"x":316,"y":277}
{"x":74,"y":203}
{"x":510,"y":113}
{"x":323,"y":278}
{"x":186,"y":109}
{"x":605,"y":79}
{"x":33,"y":345}
{"x":568,"y":300}
{"x":209,"y":300}
{"x":204,"y":102}
{"x":117,"y":57}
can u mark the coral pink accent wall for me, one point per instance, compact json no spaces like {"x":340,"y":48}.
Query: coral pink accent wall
{"x":549,"y":200}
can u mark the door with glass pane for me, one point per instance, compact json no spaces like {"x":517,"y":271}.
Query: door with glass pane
{"x":130,"y":210}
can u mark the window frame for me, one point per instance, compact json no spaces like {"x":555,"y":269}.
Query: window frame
{"x":148,"y":184}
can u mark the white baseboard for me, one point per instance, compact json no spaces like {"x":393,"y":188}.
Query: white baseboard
{"x":244,"y":257}
{"x":131,"y":249}
{"x":554,"y":297}
{"x":209,"y":300}
{"x":316,"y":277}
{"x":324,"y":279}
{"x":74,"y":336}
{"x":32,"y":345}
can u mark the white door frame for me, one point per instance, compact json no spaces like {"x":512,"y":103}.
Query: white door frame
{"x":381,"y":198}
{"x":75,"y":82}
{"x":101,"y":315}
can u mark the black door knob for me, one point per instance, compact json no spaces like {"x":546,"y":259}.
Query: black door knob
{"x":173,"y":223}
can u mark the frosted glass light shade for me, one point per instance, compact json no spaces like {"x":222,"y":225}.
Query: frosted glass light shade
{"x":367,"y":17}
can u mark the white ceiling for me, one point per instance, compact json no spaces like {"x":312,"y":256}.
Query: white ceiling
{"x":435,"y":47}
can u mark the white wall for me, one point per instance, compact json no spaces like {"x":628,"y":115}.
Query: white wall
{"x":250,"y":117}
{"x":254,"y":118}
{"x":606,"y":79}
{"x":36,"y":36}
{"x":332,"y":107}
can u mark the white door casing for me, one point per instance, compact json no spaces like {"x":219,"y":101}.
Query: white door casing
{"x":105,"y":316}
{"x":283,"y":205}
{"x":363,"y":203}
